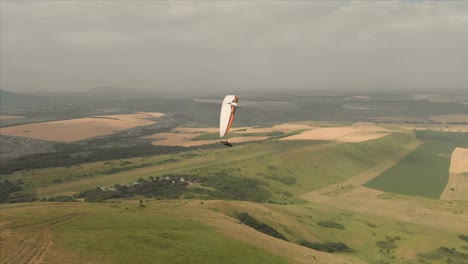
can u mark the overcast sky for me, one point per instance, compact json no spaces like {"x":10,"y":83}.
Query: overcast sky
{"x":68,"y":45}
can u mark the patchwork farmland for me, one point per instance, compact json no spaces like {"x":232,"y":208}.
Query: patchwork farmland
{"x":82,"y":128}
{"x":310,"y":182}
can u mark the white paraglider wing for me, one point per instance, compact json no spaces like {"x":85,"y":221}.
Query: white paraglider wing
{"x":228,"y":111}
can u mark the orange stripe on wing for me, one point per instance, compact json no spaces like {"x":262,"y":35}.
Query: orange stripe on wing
{"x":231,"y":118}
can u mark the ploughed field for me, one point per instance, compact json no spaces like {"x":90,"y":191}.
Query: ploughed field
{"x":81,"y":128}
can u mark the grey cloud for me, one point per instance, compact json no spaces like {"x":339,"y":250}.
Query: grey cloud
{"x":223,"y":45}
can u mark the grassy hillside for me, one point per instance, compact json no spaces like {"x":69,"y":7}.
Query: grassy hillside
{"x":207,"y":232}
{"x":303,"y":168}
{"x":425,"y":171}
{"x":127,"y":234}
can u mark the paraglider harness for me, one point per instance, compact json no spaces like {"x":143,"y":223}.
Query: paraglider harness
{"x":226,"y":143}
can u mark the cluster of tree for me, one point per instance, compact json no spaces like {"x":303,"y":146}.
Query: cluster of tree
{"x":330,"y":224}
{"x":171,"y":186}
{"x":159,"y":187}
{"x":60,"y":198}
{"x":10,"y":192}
{"x":463,"y":237}
{"x":388,"y":243}
{"x":452,"y":252}
{"x":246,"y":219}
{"x":69,"y":158}
{"x":327,"y":246}
{"x":236,"y":188}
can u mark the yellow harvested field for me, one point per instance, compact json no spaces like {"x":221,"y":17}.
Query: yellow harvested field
{"x":324,"y":133}
{"x":81,"y":128}
{"x":449,"y":118}
{"x":355,"y":133}
{"x":177,"y":139}
{"x":456,"y":188}
{"x":358,"y":132}
{"x":184,"y":139}
{"x":5,"y":117}
{"x":459,"y":161}
{"x":285,"y":128}
{"x":457,"y":185}
{"x":181,"y":136}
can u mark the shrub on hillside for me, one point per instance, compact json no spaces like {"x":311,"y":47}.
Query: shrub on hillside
{"x":60,"y":198}
{"x":327,"y":246}
{"x":237,"y":188}
{"x":463,"y":237}
{"x":168,"y":187}
{"x":388,"y":243}
{"x":246,"y":219}
{"x":330,"y":224}
{"x":10,"y":192}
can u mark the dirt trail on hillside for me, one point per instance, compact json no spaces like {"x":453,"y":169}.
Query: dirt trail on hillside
{"x":34,"y":248}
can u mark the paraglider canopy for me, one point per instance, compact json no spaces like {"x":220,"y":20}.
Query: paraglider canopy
{"x":228,"y":111}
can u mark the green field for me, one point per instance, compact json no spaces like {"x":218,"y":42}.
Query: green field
{"x":424,"y":172}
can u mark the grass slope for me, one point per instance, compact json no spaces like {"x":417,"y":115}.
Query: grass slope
{"x":302,"y":168}
{"x":194,"y":232}
{"x":122,"y":233}
{"x":424,"y":172}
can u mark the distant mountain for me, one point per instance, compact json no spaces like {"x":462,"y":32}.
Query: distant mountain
{"x":13,"y":101}
{"x":6,"y":96}
{"x":119,"y":92}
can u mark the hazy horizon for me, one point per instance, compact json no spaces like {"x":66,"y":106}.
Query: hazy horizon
{"x":238,"y":45}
